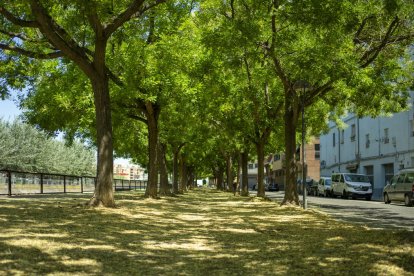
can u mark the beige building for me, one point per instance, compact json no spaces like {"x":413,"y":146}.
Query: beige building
{"x":275,"y":164}
{"x":129,"y":172}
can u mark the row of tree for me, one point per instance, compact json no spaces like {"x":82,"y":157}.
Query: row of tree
{"x":198,"y":86}
{"x":24,"y":148}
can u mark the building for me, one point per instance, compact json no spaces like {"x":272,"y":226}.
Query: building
{"x":276,"y":166}
{"x":129,"y":172}
{"x":378,"y":147}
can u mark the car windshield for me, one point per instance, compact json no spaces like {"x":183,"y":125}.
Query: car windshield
{"x":356,"y":178}
{"x":328,"y":182}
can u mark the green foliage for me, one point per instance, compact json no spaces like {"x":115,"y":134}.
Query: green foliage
{"x":24,"y":148}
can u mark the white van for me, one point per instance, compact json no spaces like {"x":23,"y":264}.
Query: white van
{"x":351,"y":185}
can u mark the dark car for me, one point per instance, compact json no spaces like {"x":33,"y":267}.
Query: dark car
{"x":311,"y":187}
{"x":274,"y":187}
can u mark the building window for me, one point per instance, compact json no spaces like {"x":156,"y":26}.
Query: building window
{"x":256,"y":165}
{"x":367,"y":141}
{"x":386,"y":138}
{"x":333,"y":139}
{"x":250,"y":166}
{"x":317,"y":151}
{"x":342,"y":136}
{"x":277,"y":157}
{"x":353,"y":133}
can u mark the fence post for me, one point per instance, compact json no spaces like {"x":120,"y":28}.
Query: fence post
{"x":9,"y":184}
{"x":81,"y":184}
{"x":129,"y":181}
{"x":41,"y":183}
{"x":64,"y":183}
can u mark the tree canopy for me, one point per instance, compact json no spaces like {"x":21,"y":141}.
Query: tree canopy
{"x":204,"y":81}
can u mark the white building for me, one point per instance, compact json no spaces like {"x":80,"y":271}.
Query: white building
{"x":378,"y":147}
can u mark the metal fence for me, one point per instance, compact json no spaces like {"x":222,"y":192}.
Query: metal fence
{"x":16,"y":182}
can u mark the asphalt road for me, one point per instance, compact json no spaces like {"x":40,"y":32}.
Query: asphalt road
{"x":374,"y":214}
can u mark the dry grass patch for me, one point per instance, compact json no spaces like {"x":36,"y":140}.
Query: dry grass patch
{"x":201,"y":232}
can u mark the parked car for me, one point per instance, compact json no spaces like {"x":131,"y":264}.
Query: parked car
{"x":311,"y":186}
{"x":324,"y":186}
{"x":401,"y":188}
{"x":273,"y":187}
{"x":351,"y":184}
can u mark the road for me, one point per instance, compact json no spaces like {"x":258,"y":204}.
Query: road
{"x":374,"y":214}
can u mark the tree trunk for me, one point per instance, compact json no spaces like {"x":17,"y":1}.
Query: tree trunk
{"x":245,"y":177}
{"x":104,"y":194}
{"x":220,"y":178}
{"x":237,"y":186}
{"x":175,"y":172}
{"x":183,"y":174}
{"x":152,"y":118}
{"x":229,"y":172}
{"x":162,"y":166}
{"x":260,"y":168}
{"x":291,"y":118}
{"x":190,"y":174}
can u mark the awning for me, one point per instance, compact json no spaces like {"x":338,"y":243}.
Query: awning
{"x":352,"y":166}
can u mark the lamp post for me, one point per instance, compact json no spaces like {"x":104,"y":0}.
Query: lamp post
{"x":301,"y":86}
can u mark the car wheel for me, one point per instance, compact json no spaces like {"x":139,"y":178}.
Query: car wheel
{"x":368,"y":198}
{"x":407,"y":201}
{"x":386,"y":199}
{"x":344,"y":195}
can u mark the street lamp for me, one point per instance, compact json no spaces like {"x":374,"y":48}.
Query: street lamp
{"x":302,"y":86}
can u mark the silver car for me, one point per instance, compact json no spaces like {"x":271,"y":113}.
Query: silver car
{"x":324,"y":186}
{"x":401,"y":188}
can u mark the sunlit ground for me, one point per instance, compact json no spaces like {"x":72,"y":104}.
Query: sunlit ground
{"x":203,"y":232}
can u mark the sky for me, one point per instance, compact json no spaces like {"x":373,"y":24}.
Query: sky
{"x":9,"y":111}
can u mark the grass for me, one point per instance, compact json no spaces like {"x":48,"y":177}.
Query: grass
{"x":203,"y":232}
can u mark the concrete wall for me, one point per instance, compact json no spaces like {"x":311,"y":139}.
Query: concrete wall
{"x":380,"y":147}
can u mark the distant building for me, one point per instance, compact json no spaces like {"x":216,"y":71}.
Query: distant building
{"x":274,"y":166}
{"x":378,"y":147}
{"x":129,"y":172}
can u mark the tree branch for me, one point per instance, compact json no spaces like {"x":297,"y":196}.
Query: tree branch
{"x":59,"y":38}
{"x":136,"y":9}
{"x":20,"y":36}
{"x":372,"y":54}
{"x":17,"y":21}
{"x":32,"y":54}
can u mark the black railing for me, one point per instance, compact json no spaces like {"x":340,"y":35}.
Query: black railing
{"x":16,"y":182}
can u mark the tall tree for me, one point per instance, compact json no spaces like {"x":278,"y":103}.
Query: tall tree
{"x":80,"y":32}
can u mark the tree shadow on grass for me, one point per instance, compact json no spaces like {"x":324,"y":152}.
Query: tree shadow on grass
{"x":201,"y":232}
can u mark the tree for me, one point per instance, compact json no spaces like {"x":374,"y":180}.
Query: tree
{"x":346,"y":52}
{"x":80,"y":32}
{"x":250,"y":93}
{"x":24,"y":148}
{"x":351,"y":51}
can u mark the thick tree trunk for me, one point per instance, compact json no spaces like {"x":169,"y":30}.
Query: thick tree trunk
{"x":104,"y":194}
{"x":260,"y":169}
{"x":291,"y":192}
{"x":162,"y":166}
{"x":152,"y":118}
{"x":229,"y":172}
{"x":245,"y":177}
